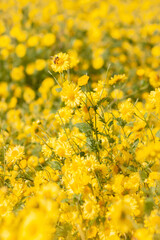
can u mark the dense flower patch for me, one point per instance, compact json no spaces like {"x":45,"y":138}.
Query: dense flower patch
{"x":79,"y":120}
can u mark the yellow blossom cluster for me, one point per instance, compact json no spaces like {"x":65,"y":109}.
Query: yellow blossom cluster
{"x":79,"y":120}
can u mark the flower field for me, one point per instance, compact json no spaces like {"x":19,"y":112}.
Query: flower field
{"x":79,"y":120}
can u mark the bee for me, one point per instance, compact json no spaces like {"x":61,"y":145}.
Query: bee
{"x":56,"y":60}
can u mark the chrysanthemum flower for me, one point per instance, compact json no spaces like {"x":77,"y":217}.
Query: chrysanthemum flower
{"x":142,"y":233}
{"x":119,"y":215}
{"x":90,"y":208}
{"x":83,"y":80}
{"x":117,"y":78}
{"x":34,"y":226}
{"x":47,"y":148}
{"x":126,"y":110}
{"x":62,"y":149}
{"x":14,"y":154}
{"x":60,"y":62}
{"x":64,"y":115}
{"x":73,"y":58}
{"x":117,"y":94}
{"x":71,"y":94}
{"x":152,"y":222}
{"x":32,"y":161}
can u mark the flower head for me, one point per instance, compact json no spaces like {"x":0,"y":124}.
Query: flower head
{"x":117,"y":78}
{"x":60,"y":62}
{"x":13,"y":154}
{"x":71,"y":94}
{"x":83,"y":80}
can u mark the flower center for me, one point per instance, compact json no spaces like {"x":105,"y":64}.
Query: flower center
{"x":58,"y":61}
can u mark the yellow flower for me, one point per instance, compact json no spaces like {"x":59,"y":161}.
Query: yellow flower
{"x":71,"y":94}
{"x":154,"y":178}
{"x":2,"y":27}
{"x":117,"y":78}
{"x":154,"y":79}
{"x":142,"y":234}
{"x":98,"y":63}
{"x":20,"y":50}
{"x":3,"y":106}
{"x":40,"y":64}
{"x":33,"y":41}
{"x":83,"y":80}
{"x":64,"y":115}
{"x":73,"y":58}
{"x":154,"y":99}
{"x":4,"y":53}
{"x":28,"y":95}
{"x":156,"y":51}
{"x":62,"y":149}
{"x":50,"y":191}
{"x":126,"y":110}
{"x":4,"y":41}
{"x":17,"y":73}
{"x":23,"y":163}
{"x":33,"y":161}
{"x":47,"y":148}
{"x":119,"y":214}
{"x":48,"y":39}
{"x":152,"y":222}
{"x":4,"y":89}
{"x":92,"y":232}
{"x":117,"y":94}
{"x":30,"y":68}
{"x":34,"y":226}
{"x":140,"y":72}
{"x":90,"y":208}
{"x":60,"y":62}
{"x":14,"y":154}
{"x":13,"y":102}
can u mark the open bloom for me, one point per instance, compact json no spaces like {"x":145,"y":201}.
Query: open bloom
{"x":117,"y":78}
{"x":14,"y":154}
{"x":60,"y":62}
{"x":71,"y":94}
{"x":83,"y":80}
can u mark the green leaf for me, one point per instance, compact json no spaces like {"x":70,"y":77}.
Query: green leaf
{"x":111,"y":140}
{"x":156,"y":236}
{"x":149,"y":204}
{"x":105,"y":99}
{"x":65,"y":200}
{"x":84,"y":127}
{"x":145,"y":115}
{"x":77,"y":197}
{"x":143,"y":175}
{"x":58,"y":89}
{"x":130,"y":124}
{"x":110,"y":123}
{"x":103,"y":134}
{"x":63,"y":231}
{"x":55,"y":165}
{"x":82,"y":154}
{"x":158,"y":134}
{"x":132,"y":168}
{"x":121,"y":122}
{"x":135,"y":144}
{"x":18,"y":206}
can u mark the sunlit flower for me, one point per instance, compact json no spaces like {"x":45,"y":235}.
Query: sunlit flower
{"x":13,"y":154}
{"x":60,"y":62}
{"x":117,"y":78}
{"x":83,"y":80}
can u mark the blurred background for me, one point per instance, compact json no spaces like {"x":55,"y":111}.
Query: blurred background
{"x":96,"y":33}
